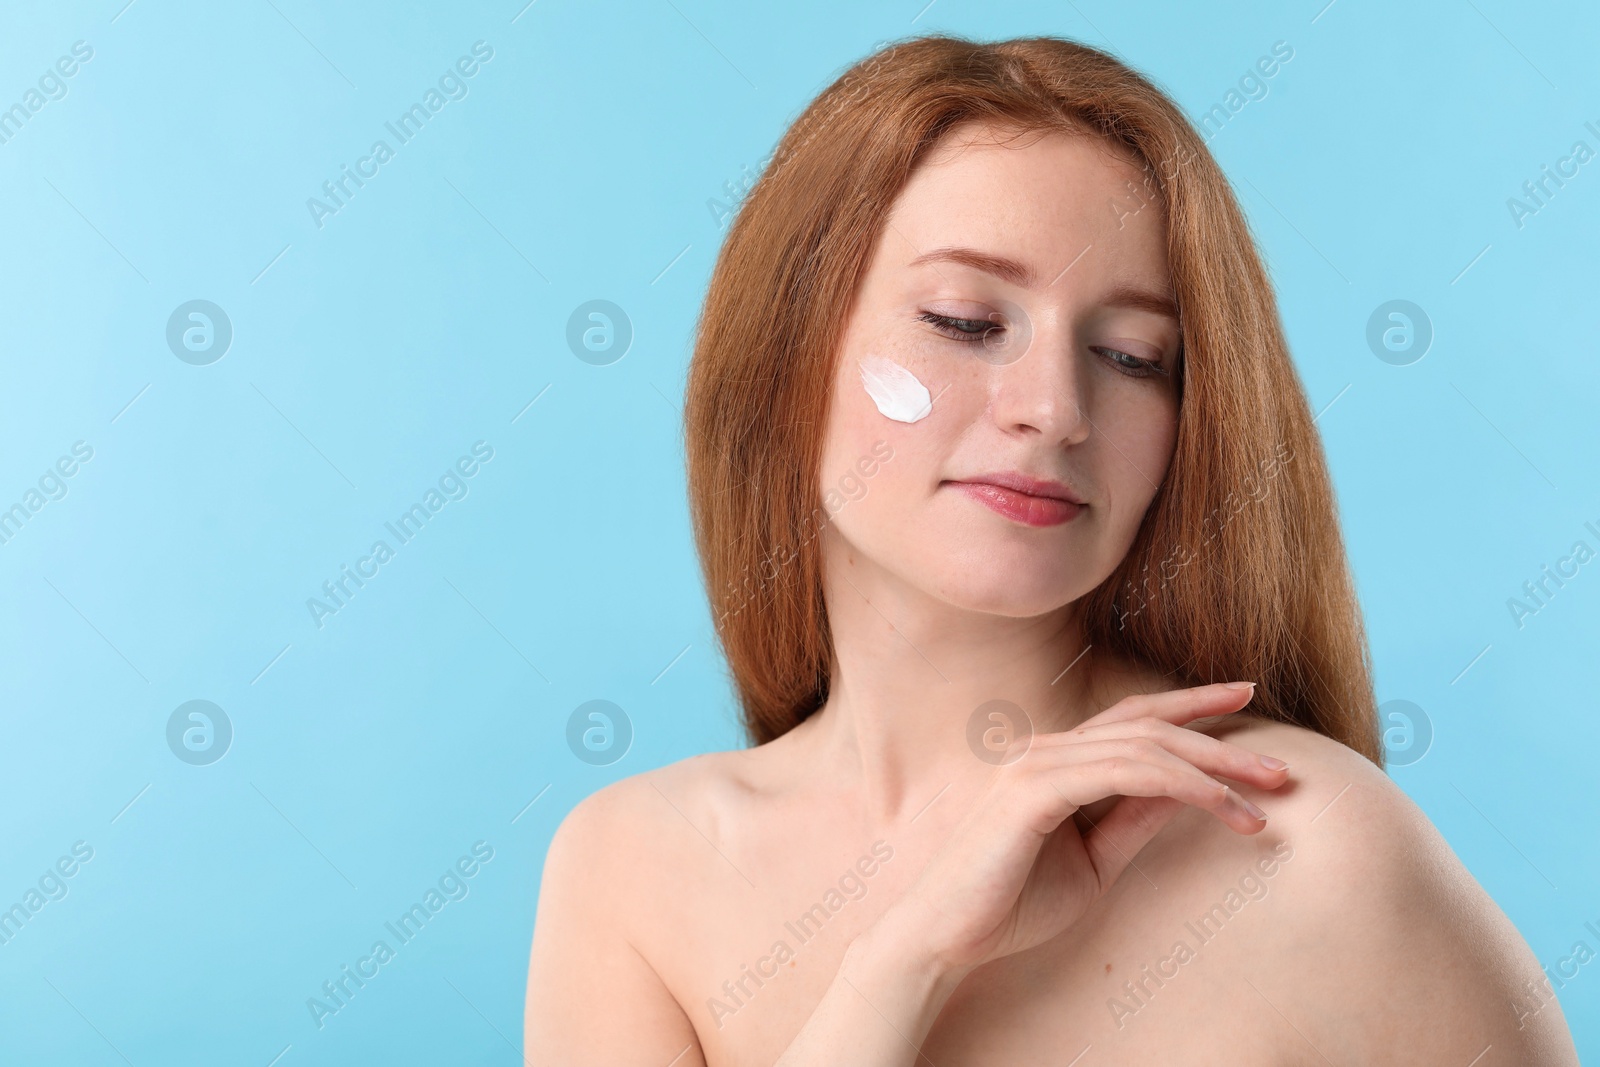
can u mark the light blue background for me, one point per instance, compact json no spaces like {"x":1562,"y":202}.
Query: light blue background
{"x":370,"y":353}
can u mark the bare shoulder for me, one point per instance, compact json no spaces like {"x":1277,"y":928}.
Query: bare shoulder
{"x":1391,"y":950}
{"x":635,"y":829}
{"x":620,"y":866}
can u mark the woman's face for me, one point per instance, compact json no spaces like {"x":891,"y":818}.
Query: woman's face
{"x":1075,"y":380}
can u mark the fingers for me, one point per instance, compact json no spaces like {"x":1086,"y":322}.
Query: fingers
{"x":1131,"y":767}
{"x":1210,"y":754}
{"x":1124,"y":832}
{"x":1177,"y":706}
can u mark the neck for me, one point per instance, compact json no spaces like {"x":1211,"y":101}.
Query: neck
{"x":909,"y":674}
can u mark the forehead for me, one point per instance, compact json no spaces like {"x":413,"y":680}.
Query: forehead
{"x":1043,"y":197}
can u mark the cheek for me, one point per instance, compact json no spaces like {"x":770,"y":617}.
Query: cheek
{"x":1155,"y":440}
{"x":896,"y":404}
{"x":896,"y":373}
{"x":870,"y":465}
{"x":880,"y":393}
{"x":854,"y":424}
{"x":896,"y":391}
{"x":1144,"y":431}
{"x":853,"y":429}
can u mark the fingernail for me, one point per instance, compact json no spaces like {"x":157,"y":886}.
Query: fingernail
{"x":1239,"y":685}
{"x":1251,"y":808}
{"x":1272,"y":764}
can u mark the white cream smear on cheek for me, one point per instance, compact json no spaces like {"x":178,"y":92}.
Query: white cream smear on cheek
{"x":895,"y":390}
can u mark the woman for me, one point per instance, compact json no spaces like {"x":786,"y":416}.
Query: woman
{"x":1006,"y":489}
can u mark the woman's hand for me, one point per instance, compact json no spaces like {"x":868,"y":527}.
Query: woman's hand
{"x":1017,"y":871}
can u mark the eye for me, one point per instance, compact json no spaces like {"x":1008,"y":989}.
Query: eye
{"x":977,"y":331}
{"x":1132,"y":366}
{"x":967,"y":331}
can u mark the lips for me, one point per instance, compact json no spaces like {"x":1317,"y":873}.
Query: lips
{"x":1024,"y":499}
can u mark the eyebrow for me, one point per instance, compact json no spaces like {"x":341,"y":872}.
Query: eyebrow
{"x":1023,"y":276}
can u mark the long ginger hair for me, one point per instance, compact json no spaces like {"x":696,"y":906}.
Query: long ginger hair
{"x":1238,"y":569}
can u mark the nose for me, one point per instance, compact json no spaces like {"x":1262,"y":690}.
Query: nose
{"x":1043,"y":392}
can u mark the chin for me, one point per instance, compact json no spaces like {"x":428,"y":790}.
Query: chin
{"x":1014,"y":592}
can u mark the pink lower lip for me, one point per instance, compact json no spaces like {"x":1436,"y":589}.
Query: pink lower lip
{"x":1021,"y":507}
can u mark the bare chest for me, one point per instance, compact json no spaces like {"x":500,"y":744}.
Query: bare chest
{"x":1166,"y":968}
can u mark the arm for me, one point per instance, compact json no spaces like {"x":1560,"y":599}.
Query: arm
{"x":882,"y":1003}
{"x":592,"y":998}
{"x":1396,"y":953}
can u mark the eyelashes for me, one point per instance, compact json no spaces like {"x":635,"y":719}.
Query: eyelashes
{"x":959,"y":329}
{"x":975,"y":331}
{"x":1135,"y":367}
